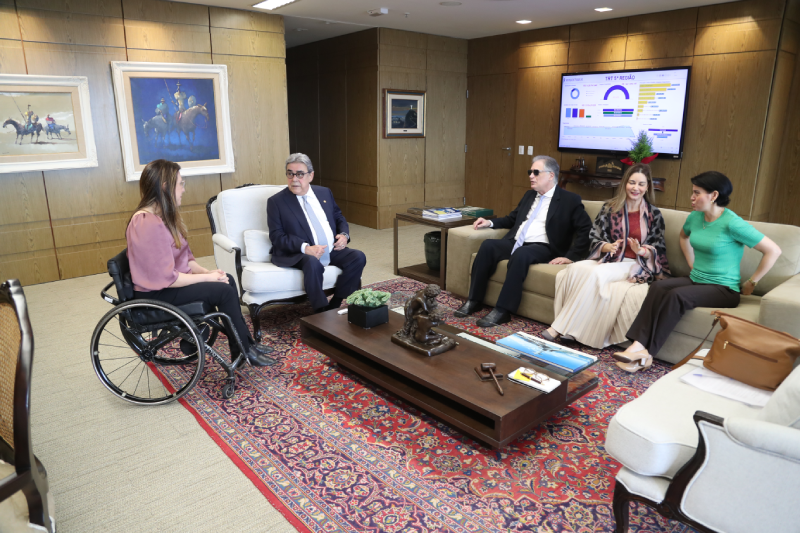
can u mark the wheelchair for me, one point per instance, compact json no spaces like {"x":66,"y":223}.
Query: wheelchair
{"x":149,"y":352}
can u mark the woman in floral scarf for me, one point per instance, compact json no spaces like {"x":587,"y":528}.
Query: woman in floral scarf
{"x":597,"y":300}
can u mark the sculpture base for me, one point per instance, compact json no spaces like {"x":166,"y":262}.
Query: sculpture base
{"x":444,"y":344}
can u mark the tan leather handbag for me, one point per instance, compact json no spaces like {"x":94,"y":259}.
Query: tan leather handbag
{"x":749,"y":352}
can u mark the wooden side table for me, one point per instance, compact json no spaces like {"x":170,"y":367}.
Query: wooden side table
{"x":421,"y":272}
{"x":599,"y":180}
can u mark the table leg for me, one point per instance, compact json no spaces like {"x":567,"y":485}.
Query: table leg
{"x":395,"y":247}
{"x":443,"y":260}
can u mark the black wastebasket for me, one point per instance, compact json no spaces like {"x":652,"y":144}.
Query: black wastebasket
{"x":433,"y":250}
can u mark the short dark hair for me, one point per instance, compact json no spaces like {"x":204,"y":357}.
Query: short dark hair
{"x":715,"y":181}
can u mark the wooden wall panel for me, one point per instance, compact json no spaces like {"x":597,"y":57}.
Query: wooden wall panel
{"x":448,"y":44}
{"x":104,"y":8}
{"x":165,"y":56}
{"x":678,"y":43}
{"x":9,"y":27}
{"x":727,"y":108}
{"x":554,"y":35}
{"x":598,"y":50}
{"x":248,"y":43}
{"x":668,"y":21}
{"x":12,"y":58}
{"x":605,"y":29}
{"x":544,"y":56}
{"x":493,"y":55}
{"x":744,"y":37}
{"x":737,"y":12}
{"x":163,"y":11}
{"x":148,"y":35}
{"x":446,"y":61}
{"x":402,"y":57}
{"x":259,"y":111}
{"x":332,"y":120}
{"x":405,"y":39}
{"x":445,"y":137}
{"x":70,"y":28}
{"x":238,"y":19}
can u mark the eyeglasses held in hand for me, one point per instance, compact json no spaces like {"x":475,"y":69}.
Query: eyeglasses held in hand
{"x":299,"y":174}
{"x":536,"y":172}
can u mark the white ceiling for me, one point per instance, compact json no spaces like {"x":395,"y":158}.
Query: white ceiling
{"x":473,"y":18}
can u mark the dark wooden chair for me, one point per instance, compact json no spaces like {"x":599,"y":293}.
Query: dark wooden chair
{"x":16,"y":359}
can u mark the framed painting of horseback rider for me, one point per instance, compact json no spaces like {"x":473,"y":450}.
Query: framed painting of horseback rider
{"x":173,"y":111}
{"x":47,"y":123}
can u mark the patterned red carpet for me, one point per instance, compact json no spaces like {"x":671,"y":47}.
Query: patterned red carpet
{"x":336,"y":453}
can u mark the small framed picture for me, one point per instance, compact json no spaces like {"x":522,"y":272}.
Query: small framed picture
{"x":403,"y":113}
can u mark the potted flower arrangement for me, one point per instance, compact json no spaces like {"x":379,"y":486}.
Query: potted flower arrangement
{"x":367,"y":308}
{"x":641,"y":150}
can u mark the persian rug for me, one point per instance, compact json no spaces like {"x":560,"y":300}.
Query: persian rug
{"x":334,"y":452}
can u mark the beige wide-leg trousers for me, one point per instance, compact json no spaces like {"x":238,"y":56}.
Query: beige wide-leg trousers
{"x":595,"y":303}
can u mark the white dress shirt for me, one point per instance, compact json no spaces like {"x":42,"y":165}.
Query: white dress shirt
{"x":537,"y":231}
{"x":320,"y":214}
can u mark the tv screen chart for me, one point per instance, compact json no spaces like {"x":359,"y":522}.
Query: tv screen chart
{"x":606,"y":111}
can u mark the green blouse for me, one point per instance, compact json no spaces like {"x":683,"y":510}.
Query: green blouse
{"x":719,"y":246}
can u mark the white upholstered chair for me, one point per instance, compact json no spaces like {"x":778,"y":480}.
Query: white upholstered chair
{"x":242,"y":248}
{"x":707,"y":461}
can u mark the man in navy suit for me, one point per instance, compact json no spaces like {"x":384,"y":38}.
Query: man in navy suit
{"x":549,"y":225}
{"x":309,"y":232}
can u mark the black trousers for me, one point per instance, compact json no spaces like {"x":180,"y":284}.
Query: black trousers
{"x":493,"y":251}
{"x":225,"y":298}
{"x":352,"y":263}
{"x":667,"y":301}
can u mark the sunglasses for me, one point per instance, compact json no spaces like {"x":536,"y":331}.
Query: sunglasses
{"x":536,"y":172}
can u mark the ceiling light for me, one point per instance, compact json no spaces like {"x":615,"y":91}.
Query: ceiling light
{"x":449,"y":4}
{"x":272,"y":4}
{"x":603,"y":9}
{"x":523,"y":22}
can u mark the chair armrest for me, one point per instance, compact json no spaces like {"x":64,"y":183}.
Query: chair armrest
{"x":224,"y":242}
{"x":747,"y":476}
{"x":461,"y":244}
{"x":780,"y":307}
{"x":228,"y":257}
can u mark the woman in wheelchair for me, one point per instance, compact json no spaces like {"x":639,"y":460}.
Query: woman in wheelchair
{"x":162,"y":265}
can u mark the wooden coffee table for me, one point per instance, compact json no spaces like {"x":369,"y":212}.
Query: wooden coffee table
{"x":445,"y":385}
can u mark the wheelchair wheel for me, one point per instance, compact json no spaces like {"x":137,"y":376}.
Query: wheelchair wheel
{"x":136,"y":353}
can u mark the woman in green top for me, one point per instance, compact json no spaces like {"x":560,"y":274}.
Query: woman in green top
{"x":712,"y":240}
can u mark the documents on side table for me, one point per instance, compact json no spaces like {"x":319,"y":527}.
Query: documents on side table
{"x":535,"y":380}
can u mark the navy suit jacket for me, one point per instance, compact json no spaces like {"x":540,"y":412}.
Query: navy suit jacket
{"x":567,"y":223}
{"x":289,"y":229}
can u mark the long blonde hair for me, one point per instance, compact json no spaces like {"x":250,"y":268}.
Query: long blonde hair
{"x":157,"y":189}
{"x":616,"y":203}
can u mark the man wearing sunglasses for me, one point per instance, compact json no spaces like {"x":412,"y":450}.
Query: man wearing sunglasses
{"x":549,"y":225}
{"x":309,"y":232}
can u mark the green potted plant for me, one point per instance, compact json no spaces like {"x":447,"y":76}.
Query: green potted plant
{"x":367,"y":308}
{"x":641,"y":150}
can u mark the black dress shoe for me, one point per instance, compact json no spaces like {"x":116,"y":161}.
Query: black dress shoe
{"x":467,"y":309}
{"x":494,"y":318}
{"x":256,"y":358}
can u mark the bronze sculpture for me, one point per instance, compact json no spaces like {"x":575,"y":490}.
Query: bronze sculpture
{"x":422,"y":315}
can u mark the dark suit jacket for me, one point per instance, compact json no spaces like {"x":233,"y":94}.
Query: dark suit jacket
{"x":566,"y":218}
{"x":289,"y":229}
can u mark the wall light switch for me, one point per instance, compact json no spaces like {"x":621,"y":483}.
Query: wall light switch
{"x":530,"y":150}
{"x":521,"y":150}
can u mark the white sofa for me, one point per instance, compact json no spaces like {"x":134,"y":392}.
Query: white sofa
{"x":708,"y":461}
{"x":242,"y":248}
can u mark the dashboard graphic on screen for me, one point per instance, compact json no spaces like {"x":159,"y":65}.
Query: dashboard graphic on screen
{"x":605,"y":111}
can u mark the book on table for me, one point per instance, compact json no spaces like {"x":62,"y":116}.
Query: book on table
{"x":442,"y":213}
{"x":549,"y":353}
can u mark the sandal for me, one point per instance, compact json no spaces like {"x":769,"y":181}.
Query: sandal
{"x":633,"y":361}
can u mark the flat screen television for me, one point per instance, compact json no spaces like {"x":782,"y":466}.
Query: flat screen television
{"x":605,"y":111}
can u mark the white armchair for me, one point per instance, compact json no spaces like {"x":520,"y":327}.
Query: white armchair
{"x":740,"y":473}
{"x":242,"y":248}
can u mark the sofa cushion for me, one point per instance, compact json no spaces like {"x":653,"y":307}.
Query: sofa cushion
{"x":784,"y":406}
{"x":269,"y":278}
{"x":655,"y":434}
{"x":698,"y":321}
{"x":541,"y":279}
{"x":787,"y":265}
{"x":257,"y":246}
{"x":237,"y":210}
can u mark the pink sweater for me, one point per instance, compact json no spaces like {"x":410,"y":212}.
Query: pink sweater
{"x":155,"y":262}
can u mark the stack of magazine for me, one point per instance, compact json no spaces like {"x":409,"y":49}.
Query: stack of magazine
{"x":441,"y":213}
{"x":546,"y":353}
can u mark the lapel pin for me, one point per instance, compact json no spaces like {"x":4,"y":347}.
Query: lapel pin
{"x":323,"y":201}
